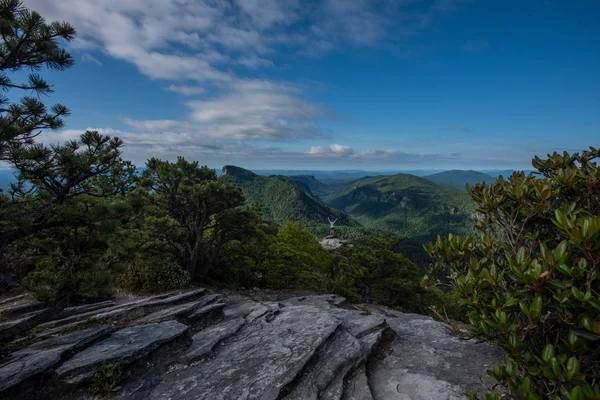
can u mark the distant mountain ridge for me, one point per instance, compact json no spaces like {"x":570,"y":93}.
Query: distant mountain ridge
{"x":458,"y":179}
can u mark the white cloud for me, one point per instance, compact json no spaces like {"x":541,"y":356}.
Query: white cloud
{"x":186,"y":90}
{"x":331,"y":150}
{"x":197,"y":47}
{"x":90,"y":58}
{"x":254,"y":62}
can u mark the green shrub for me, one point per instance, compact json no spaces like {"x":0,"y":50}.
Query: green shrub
{"x":531,"y":277}
{"x":51,"y":278}
{"x":95,"y":284}
{"x":148,"y":276}
{"x":46,"y":281}
{"x":107,"y":378}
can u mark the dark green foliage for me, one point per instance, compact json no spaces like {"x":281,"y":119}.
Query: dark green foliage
{"x":153,"y":275}
{"x":289,"y":257}
{"x":283,"y":198}
{"x":69,"y":199}
{"x":458,"y":179}
{"x":29,"y":42}
{"x":108,"y":378}
{"x":378,"y":275}
{"x":531,"y":277}
{"x":313,"y":184}
{"x":286,"y":256}
{"x":405,"y":205}
{"x":192,"y":214}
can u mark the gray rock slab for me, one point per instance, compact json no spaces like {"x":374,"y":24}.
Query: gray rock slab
{"x":20,"y":305}
{"x":12,"y":322}
{"x":123,"y":308}
{"x":12,"y":299}
{"x":9,"y":329}
{"x":69,"y":311}
{"x":202,"y":311}
{"x":357,"y":387}
{"x":359,"y":323}
{"x":249,"y":309}
{"x":211,"y":298}
{"x":429,"y":363}
{"x":123,"y":346}
{"x":338,"y":354}
{"x":40,"y":356}
{"x":335,"y":390}
{"x":256,"y":364}
{"x":204,"y":341}
{"x":242,"y":308}
{"x":171,"y":312}
{"x":323,"y":300}
{"x":176,"y":298}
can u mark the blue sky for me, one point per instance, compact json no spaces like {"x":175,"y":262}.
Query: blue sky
{"x":333,"y":84}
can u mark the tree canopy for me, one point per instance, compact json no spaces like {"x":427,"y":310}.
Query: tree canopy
{"x":28,"y":42}
{"x":531,"y":276}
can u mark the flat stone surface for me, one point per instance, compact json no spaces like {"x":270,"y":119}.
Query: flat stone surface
{"x":258,"y":362}
{"x":359,"y":323}
{"x":304,"y":347}
{"x":123,"y":308}
{"x":204,"y":341}
{"x":170,"y":312}
{"x":123,"y":346}
{"x":358,"y":386}
{"x":19,"y":304}
{"x":211,"y":298}
{"x":200,"y":312}
{"x":12,"y":299}
{"x":428,"y":363}
{"x":40,"y":356}
{"x":70,"y":311}
{"x":175,"y":298}
{"x":322,"y":300}
{"x":9,"y":328}
{"x":339,"y":353}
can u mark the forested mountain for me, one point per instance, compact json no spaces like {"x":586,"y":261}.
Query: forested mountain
{"x":284,"y":198}
{"x":458,"y":179}
{"x":406,"y":205}
{"x":317,"y":187}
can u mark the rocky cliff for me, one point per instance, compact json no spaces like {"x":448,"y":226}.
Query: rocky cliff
{"x":196,"y":345}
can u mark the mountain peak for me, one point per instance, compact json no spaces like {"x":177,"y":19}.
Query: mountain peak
{"x":237,"y":172}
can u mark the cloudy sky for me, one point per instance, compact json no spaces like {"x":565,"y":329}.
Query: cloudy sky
{"x":334,"y":84}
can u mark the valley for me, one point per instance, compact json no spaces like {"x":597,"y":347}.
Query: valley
{"x":415,"y":208}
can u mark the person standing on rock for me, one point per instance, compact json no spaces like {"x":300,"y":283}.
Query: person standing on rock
{"x":331,"y":226}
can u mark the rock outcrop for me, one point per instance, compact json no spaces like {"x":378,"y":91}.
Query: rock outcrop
{"x":194,"y":345}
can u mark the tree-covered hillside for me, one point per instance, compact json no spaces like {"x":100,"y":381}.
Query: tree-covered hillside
{"x":284,"y":198}
{"x":459,"y":179}
{"x":406,"y":205}
{"x":316,"y":187}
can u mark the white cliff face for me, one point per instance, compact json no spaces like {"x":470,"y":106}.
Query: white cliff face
{"x":194,"y":345}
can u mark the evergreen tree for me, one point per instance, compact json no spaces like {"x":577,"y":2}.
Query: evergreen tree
{"x":193,"y":213}
{"x":28,"y":42}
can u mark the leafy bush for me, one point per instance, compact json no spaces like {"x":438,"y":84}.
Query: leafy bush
{"x":290,"y":257}
{"x":107,"y":378}
{"x":46,"y":281}
{"x":531,"y":278}
{"x":153,"y":276}
{"x":53,"y":276}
